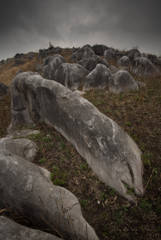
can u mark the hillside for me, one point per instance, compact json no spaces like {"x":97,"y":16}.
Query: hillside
{"x":139,"y":114}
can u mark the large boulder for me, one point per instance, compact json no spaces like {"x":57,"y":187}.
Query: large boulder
{"x":71,"y":75}
{"x":108,"y":150}
{"x":123,"y":61}
{"x":99,"y":49}
{"x":3,"y":89}
{"x":84,"y":52}
{"x":10,"y":230}
{"x":26,"y":189}
{"x":143,"y":67}
{"x":98,"y":78}
{"x":53,"y":64}
{"x":122,"y":81}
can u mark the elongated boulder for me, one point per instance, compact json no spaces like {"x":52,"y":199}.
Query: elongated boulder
{"x":109,"y":151}
{"x":11,"y":230}
{"x":122,"y":81}
{"x":71,"y":75}
{"x":98,"y":78}
{"x":26,"y":188}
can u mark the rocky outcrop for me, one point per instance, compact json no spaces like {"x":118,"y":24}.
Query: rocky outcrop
{"x":109,"y":54}
{"x":122,"y":81}
{"x":11,"y":230}
{"x":71,"y":75}
{"x":91,"y":62}
{"x":109,"y":151}
{"x":3,"y":89}
{"x":143,"y":67}
{"x":98,"y":78}
{"x":84,"y":52}
{"x":25,"y":188}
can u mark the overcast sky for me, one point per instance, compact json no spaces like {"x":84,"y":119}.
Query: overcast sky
{"x":28,"y":25}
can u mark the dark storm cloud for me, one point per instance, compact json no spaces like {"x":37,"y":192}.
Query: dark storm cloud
{"x":30,"y":25}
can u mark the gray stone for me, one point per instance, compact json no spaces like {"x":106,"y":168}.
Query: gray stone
{"x":133,"y":53}
{"x":98,"y":78}
{"x":54,"y":63}
{"x":25,"y":188}
{"x":91,"y":62}
{"x":23,"y":133}
{"x":123,"y":61}
{"x":10,"y":230}
{"x":143,"y":67}
{"x":109,"y":151}
{"x":71,"y":75}
{"x":3,"y":89}
{"x":84,"y":52}
{"x":109,"y":54}
{"x":122,"y":81}
{"x":22,"y":147}
{"x":38,"y":67}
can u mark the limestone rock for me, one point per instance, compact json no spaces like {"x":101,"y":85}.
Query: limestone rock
{"x":53,"y":65}
{"x":21,"y":147}
{"x":25,"y":188}
{"x":123,"y":61}
{"x":108,"y":150}
{"x":71,"y":75}
{"x":122,"y":81}
{"x":109,"y":54}
{"x":10,"y":230}
{"x":91,"y":62}
{"x":143,"y":67}
{"x":133,"y":53}
{"x":98,"y":78}
{"x":84,"y":52}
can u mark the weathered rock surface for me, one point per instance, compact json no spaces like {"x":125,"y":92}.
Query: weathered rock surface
{"x":143,"y":67}
{"x":98,"y":78}
{"x":123,"y":61}
{"x":3,"y":89}
{"x":21,"y":147}
{"x":84,"y":52}
{"x":25,"y":188}
{"x":10,"y":230}
{"x":109,"y":151}
{"x":52,"y":66}
{"x":122,"y":81}
{"x":113,"y":69}
{"x":71,"y":75}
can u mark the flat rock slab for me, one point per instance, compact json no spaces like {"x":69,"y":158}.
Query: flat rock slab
{"x":10,"y":230}
{"x":109,"y":151}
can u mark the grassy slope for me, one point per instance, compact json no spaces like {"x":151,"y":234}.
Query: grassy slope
{"x":139,"y":114}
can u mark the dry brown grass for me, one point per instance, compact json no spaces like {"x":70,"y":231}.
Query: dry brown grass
{"x":8,"y":71}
